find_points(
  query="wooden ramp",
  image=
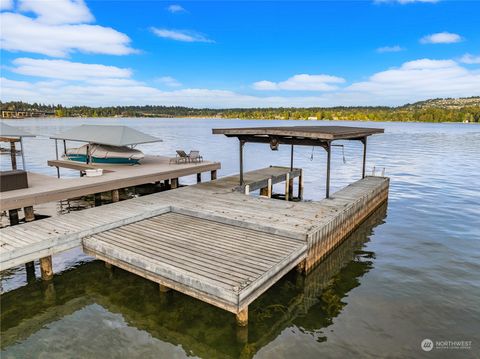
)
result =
(221, 264)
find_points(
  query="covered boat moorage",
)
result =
(111, 140)
(322, 136)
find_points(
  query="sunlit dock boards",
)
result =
(237, 245)
(222, 264)
(44, 189)
(31, 241)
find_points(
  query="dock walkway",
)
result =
(209, 240)
(44, 189)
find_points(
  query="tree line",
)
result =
(426, 112)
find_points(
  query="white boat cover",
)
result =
(106, 151)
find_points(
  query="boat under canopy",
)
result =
(105, 144)
(104, 154)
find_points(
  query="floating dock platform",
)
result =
(209, 240)
(213, 240)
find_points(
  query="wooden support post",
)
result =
(115, 195)
(199, 177)
(213, 175)
(290, 188)
(23, 154)
(46, 268)
(29, 214)
(364, 141)
(247, 189)
(269, 188)
(302, 266)
(98, 199)
(56, 156)
(287, 187)
(242, 317)
(329, 156)
(300, 185)
(163, 288)
(13, 216)
(30, 269)
(291, 159)
(167, 184)
(174, 183)
(13, 155)
(241, 161)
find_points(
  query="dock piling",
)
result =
(242, 317)
(213, 175)
(115, 195)
(174, 183)
(98, 199)
(13, 216)
(29, 214)
(287, 187)
(300, 185)
(13, 155)
(46, 268)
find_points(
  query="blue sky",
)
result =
(239, 54)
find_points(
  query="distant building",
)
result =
(25, 114)
(312, 118)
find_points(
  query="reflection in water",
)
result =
(96, 301)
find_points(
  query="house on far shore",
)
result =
(312, 118)
(25, 114)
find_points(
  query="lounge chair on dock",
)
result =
(194, 156)
(181, 157)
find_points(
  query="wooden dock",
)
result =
(209, 240)
(44, 189)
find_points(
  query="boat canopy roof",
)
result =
(10, 131)
(114, 135)
(299, 135)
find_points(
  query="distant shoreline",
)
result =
(225, 118)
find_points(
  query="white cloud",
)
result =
(181, 35)
(175, 8)
(420, 79)
(303, 82)
(412, 81)
(169, 81)
(470, 59)
(441, 38)
(21, 33)
(58, 12)
(66, 70)
(6, 4)
(395, 48)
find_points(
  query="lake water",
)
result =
(410, 272)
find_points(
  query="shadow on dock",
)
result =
(309, 303)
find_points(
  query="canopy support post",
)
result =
(291, 159)
(56, 156)
(329, 156)
(23, 156)
(64, 147)
(13, 155)
(364, 141)
(242, 143)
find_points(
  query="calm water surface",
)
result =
(410, 272)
